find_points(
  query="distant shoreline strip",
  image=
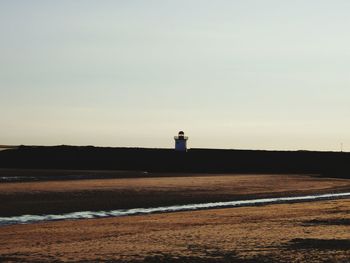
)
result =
(27, 219)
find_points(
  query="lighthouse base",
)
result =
(180, 145)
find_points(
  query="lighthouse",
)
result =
(181, 142)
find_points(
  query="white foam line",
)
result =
(25, 219)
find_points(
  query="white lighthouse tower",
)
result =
(181, 142)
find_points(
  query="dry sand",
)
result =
(307, 232)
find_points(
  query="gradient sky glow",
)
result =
(248, 74)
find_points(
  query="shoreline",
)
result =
(281, 232)
(30, 219)
(68, 196)
(303, 232)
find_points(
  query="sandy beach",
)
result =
(153, 190)
(301, 232)
(307, 232)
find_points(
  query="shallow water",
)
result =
(73, 176)
(17, 178)
(25, 219)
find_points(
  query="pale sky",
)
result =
(248, 74)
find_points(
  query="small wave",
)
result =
(25, 219)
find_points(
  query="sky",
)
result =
(250, 74)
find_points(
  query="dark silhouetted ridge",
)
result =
(167, 160)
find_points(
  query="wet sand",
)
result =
(306, 232)
(153, 190)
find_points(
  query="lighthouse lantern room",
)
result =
(181, 142)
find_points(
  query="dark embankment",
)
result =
(335, 164)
